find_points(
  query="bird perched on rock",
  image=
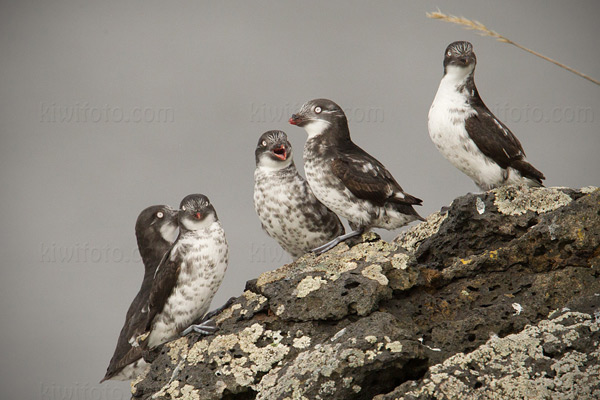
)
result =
(155, 230)
(468, 134)
(288, 210)
(188, 275)
(345, 178)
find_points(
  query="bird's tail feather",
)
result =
(406, 199)
(528, 171)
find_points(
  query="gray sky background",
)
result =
(109, 107)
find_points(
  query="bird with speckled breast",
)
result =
(286, 206)
(347, 179)
(188, 275)
(466, 132)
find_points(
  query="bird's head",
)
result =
(459, 58)
(196, 213)
(273, 151)
(317, 116)
(157, 220)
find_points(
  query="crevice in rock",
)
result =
(351, 284)
(247, 395)
(386, 379)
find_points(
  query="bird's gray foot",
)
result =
(330, 245)
(204, 328)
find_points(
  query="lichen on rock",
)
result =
(521, 365)
(309, 284)
(516, 200)
(412, 238)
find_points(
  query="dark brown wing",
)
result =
(163, 284)
(124, 353)
(152, 248)
(136, 318)
(162, 287)
(367, 179)
(497, 142)
(134, 354)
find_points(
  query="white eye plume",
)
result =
(449, 53)
(159, 214)
(318, 110)
(264, 143)
(182, 208)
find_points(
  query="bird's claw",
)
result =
(204, 328)
(326, 247)
(342, 238)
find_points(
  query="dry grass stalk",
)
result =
(485, 31)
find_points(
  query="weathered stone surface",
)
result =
(463, 304)
(341, 282)
(558, 358)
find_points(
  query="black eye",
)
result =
(159, 214)
(318, 110)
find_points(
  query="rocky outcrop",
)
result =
(558, 358)
(496, 297)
